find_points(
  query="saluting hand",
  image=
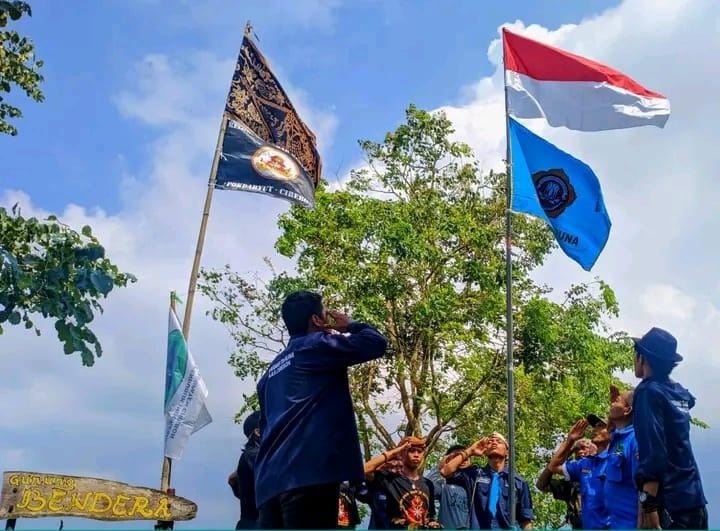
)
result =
(479, 447)
(578, 430)
(398, 449)
(341, 321)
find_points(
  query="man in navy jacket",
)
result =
(488, 488)
(671, 493)
(309, 439)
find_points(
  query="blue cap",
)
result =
(658, 344)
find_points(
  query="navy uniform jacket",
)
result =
(477, 484)
(662, 427)
(307, 424)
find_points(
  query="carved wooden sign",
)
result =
(34, 495)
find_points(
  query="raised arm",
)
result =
(379, 460)
(555, 466)
(451, 465)
(362, 343)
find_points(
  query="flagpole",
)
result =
(203, 228)
(204, 221)
(508, 305)
(167, 461)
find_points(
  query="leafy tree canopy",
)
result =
(414, 244)
(18, 66)
(48, 269)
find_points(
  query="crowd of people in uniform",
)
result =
(302, 467)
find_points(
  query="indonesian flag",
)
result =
(574, 92)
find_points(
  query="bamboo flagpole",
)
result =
(167, 462)
(509, 309)
(166, 472)
(203, 229)
(192, 285)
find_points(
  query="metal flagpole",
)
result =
(509, 306)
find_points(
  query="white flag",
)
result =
(185, 393)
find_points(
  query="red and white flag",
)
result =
(574, 92)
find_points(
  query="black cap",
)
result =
(251, 423)
(594, 420)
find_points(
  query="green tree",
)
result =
(48, 269)
(414, 243)
(18, 65)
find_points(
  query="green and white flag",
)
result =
(185, 393)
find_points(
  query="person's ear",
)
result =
(317, 321)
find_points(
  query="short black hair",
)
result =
(454, 448)
(660, 367)
(298, 308)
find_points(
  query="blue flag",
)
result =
(552, 185)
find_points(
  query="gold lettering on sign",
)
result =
(107, 503)
(141, 507)
(76, 505)
(28, 494)
(24, 501)
(32, 500)
(163, 510)
(120, 502)
(57, 496)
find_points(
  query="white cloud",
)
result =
(662, 300)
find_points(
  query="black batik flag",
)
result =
(266, 147)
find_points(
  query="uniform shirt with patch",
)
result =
(409, 502)
(477, 483)
(662, 427)
(588, 472)
(620, 493)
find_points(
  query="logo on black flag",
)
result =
(267, 148)
(554, 191)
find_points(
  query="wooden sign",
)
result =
(34, 495)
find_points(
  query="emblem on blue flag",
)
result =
(554, 190)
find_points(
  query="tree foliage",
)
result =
(18, 65)
(47, 268)
(414, 243)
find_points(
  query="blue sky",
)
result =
(134, 92)
(364, 62)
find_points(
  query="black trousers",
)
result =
(686, 519)
(313, 507)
